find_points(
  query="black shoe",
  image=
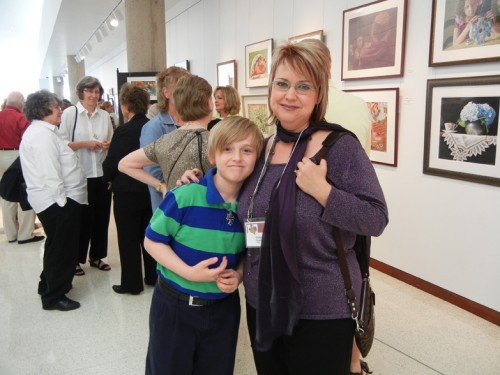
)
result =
(64, 304)
(12, 241)
(34, 239)
(119, 289)
(153, 283)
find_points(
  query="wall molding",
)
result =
(475, 308)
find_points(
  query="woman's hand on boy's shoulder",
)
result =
(191, 175)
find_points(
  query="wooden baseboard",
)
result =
(475, 308)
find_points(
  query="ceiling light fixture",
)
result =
(109, 24)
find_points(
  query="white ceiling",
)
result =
(40, 34)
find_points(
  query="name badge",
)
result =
(254, 229)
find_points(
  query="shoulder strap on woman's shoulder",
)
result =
(329, 141)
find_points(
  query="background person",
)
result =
(131, 203)
(18, 224)
(166, 121)
(184, 148)
(227, 103)
(88, 130)
(56, 186)
(108, 107)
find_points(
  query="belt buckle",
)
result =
(191, 302)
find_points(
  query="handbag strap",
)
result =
(349, 292)
(74, 125)
(329, 141)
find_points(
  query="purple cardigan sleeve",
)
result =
(356, 202)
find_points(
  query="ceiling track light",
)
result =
(108, 25)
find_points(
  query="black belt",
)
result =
(8, 149)
(183, 297)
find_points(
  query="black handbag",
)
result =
(365, 316)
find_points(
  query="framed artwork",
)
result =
(258, 63)
(373, 40)
(461, 129)
(146, 83)
(183, 64)
(314, 35)
(147, 80)
(453, 42)
(256, 109)
(383, 105)
(226, 74)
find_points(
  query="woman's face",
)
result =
(293, 109)
(91, 97)
(55, 117)
(219, 101)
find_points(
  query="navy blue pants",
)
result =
(191, 340)
(319, 347)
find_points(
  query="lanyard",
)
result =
(267, 162)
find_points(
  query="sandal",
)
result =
(364, 369)
(99, 264)
(79, 271)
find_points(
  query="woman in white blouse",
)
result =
(88, 131)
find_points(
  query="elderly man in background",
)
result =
(18, 224)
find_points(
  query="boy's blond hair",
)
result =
(233, 129)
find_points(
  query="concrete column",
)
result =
(145, 30)
(58, 84)
(75, 72)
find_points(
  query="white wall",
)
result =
(444, 231)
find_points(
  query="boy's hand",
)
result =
(191, 175)
(229, 280)
(202, 272)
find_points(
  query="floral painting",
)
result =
(461, 129)
(146, 83)
(255, 108)
(378, 111)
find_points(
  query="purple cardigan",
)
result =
(356, 205)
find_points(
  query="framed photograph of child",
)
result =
(373, 40)
(461, 129)
(383, 105)
(464, 32)
(258, 63)
(226, 74)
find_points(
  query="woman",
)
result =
(108, 107)
(132, 208)
(164, 122)
(314, 328)
(184, 148)
(57, 191)
(88, 130)
(227, 103)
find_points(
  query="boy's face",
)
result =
(236, 162)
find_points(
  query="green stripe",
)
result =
(211, 240)
(196, 196)
(164, 225)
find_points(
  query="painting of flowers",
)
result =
(461, 129)
(476, 119)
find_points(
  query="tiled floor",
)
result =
(416, 333)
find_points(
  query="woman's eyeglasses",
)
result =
(300, 88)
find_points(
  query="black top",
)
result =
(124, 141)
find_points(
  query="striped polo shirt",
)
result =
(196, 223)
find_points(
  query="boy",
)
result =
(197, 240)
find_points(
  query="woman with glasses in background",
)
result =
(88, 131)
